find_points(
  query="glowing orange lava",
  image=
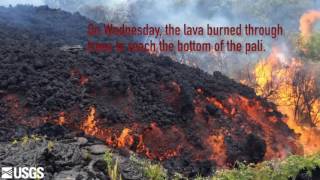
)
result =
(89, 125)
(125, 138)
(61, 119)
(219, 150)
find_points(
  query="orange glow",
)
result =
(125, 138)
(244, 114)
(61, 119)
(276, 79)
(152, 141)
(218, 104)
(89, 125)
(255, 113)
(218, 149)
(83, 80)
(160, 144)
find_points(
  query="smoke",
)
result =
(175, 12)
(193, 13)
(16, 2)
(198, 13)
(307, 22)
(178, 12)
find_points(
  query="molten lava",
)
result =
(125, 138)
(61, 119)
(218, 149)
(139, 137)
(89, 125)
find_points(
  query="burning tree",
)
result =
(288, 84)
(306, 97)
(292, 83)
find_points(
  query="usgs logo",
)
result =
(22, 172)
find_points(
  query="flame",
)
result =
(61, 119)
(242, 114)
(307, 22)
(256, 113)
(89, 126)
(275, 71)
(125, 138)
(139, 137)
(276, 79)
(166, 145)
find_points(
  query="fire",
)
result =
(125, 138)
(61, 119)
(307, 22)
(285, 82)
(139, 137)
(236, 105)
(243, 115)
(89, 125)
(166, 145)
(220, 105)
(275, 71)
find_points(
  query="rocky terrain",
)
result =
(72, 157)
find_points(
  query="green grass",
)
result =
(27, 139)
(154, 172)
(112, 166)
(267, 170)
(50, 146)
(272, 170)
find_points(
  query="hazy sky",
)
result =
(15, 2)
(41, 2)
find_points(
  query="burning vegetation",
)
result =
(293, 85)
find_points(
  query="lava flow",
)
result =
(212, 134)
(139, 138)
(147, 104)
